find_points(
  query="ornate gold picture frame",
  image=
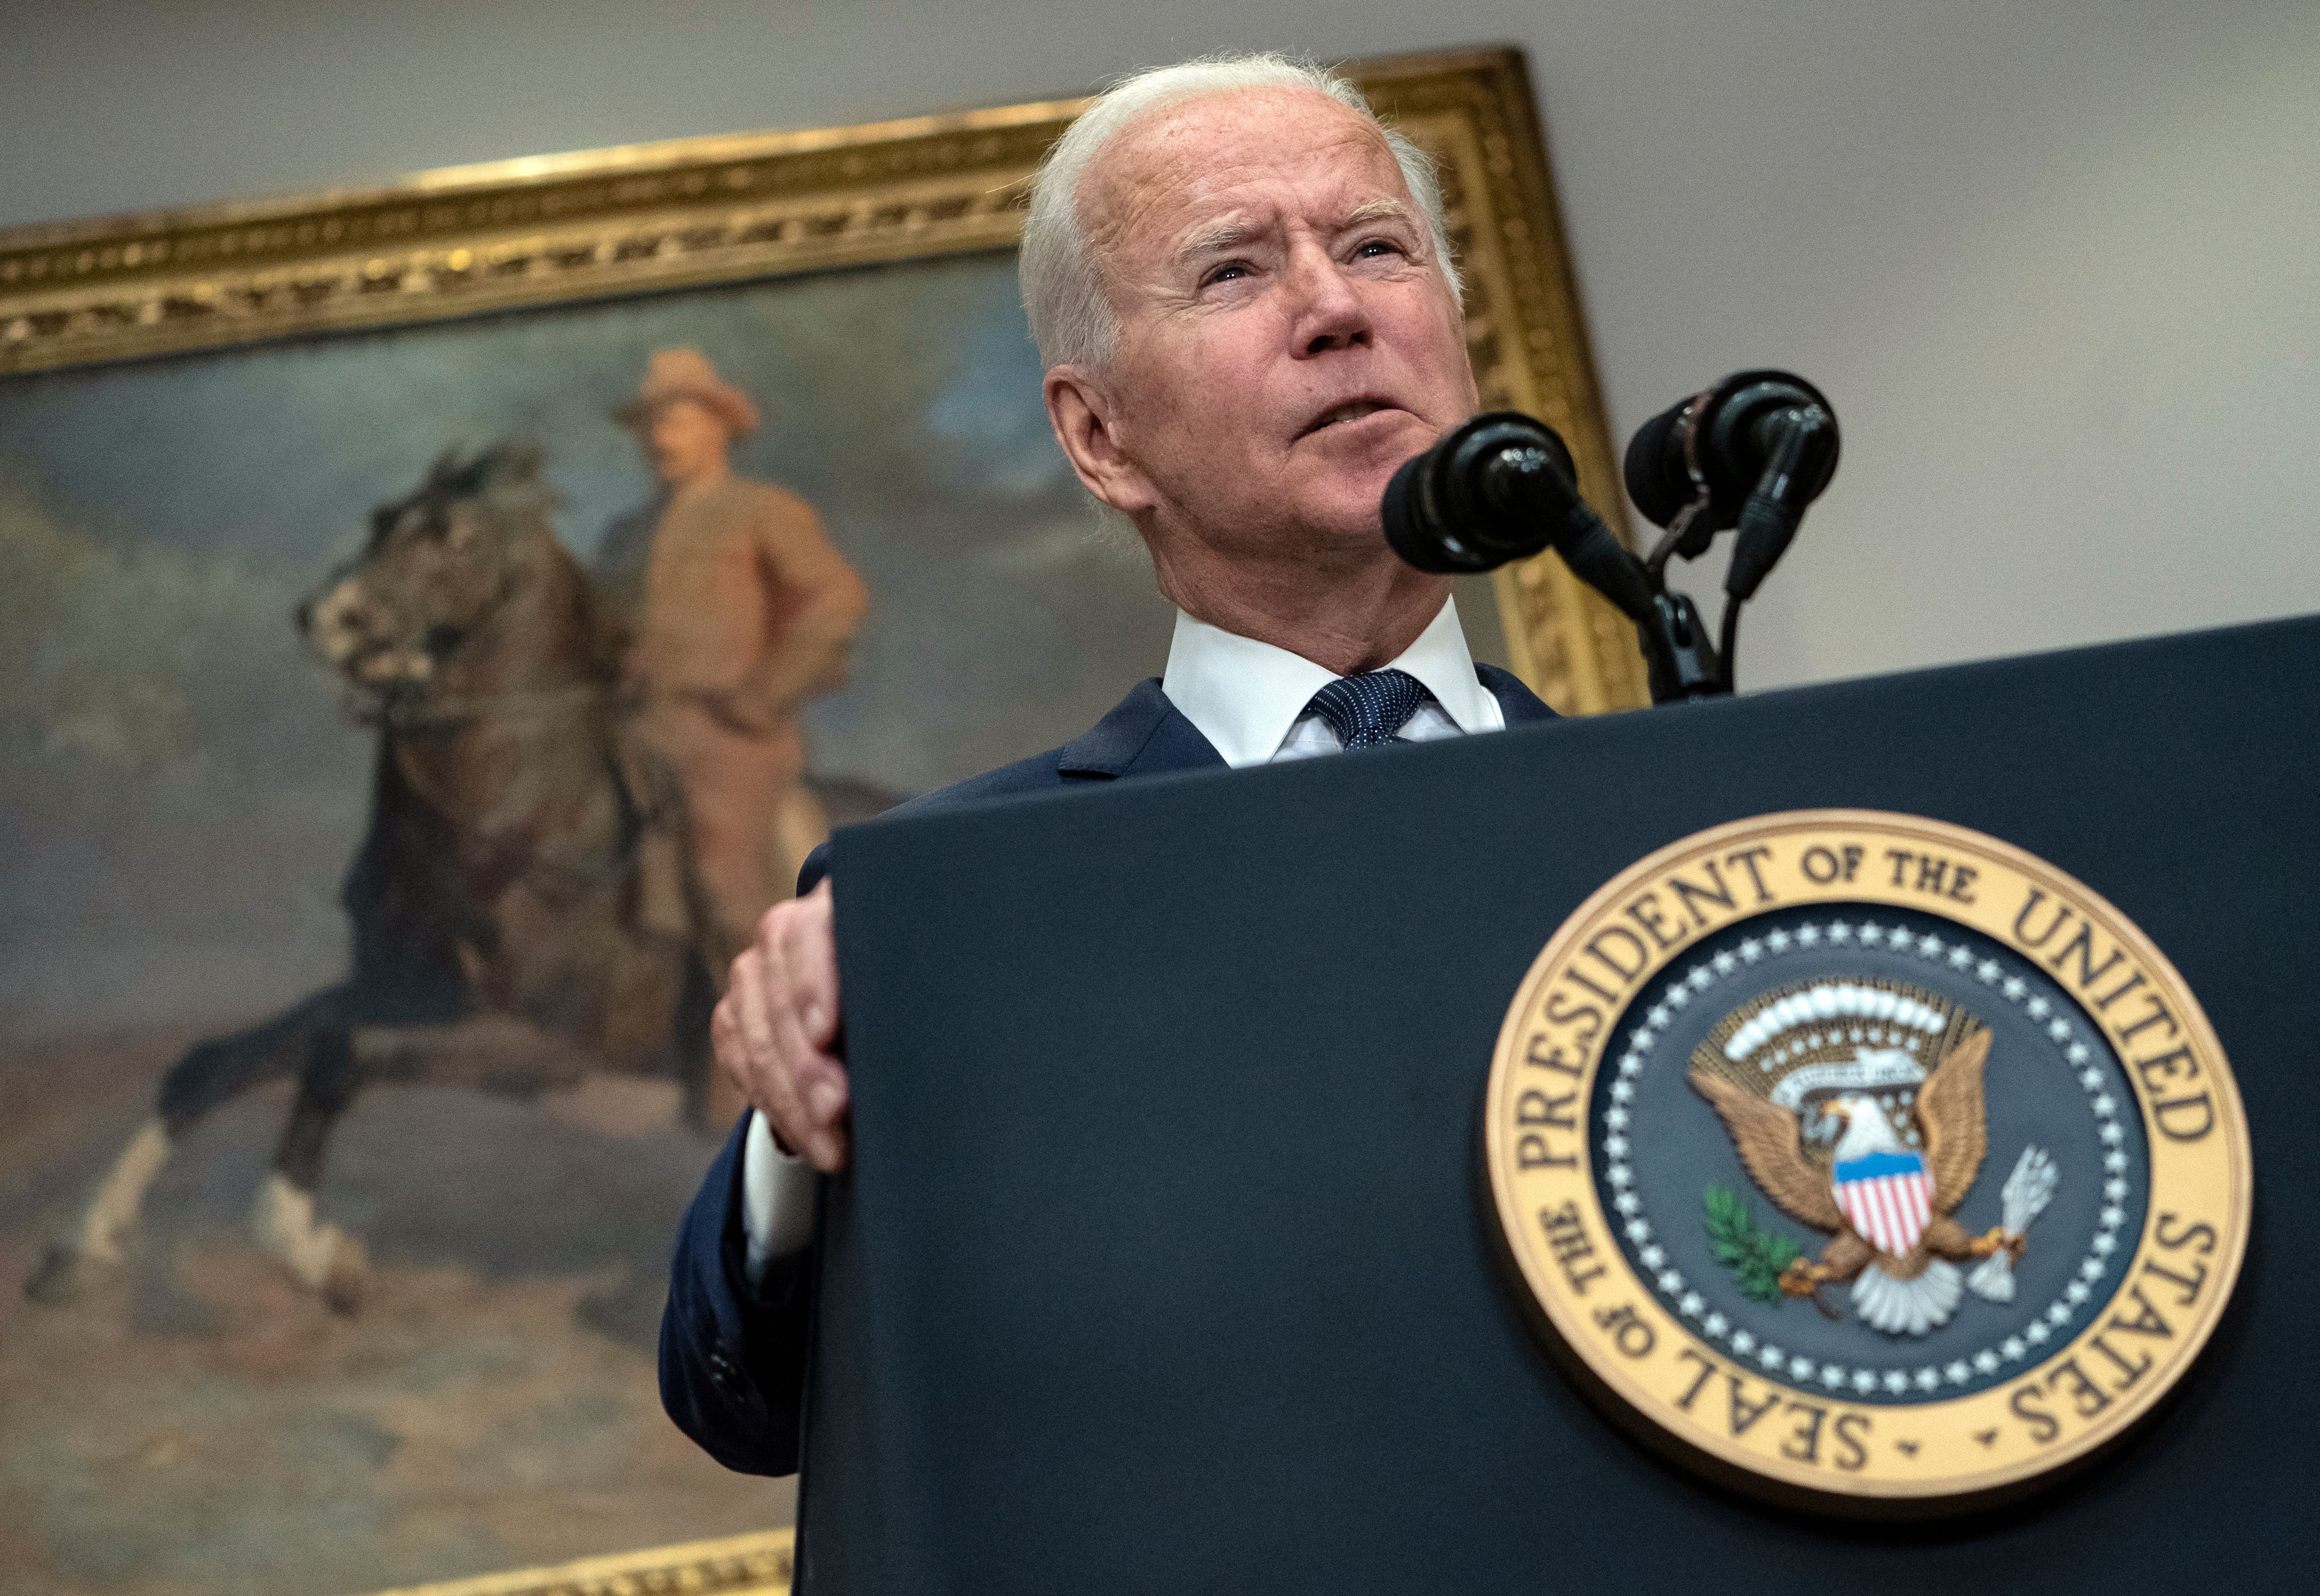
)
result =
(758, 1564)
(153, 653)
(552, 228)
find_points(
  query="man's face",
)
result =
(1287, 337)
(682, 439)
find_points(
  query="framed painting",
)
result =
(331, 533)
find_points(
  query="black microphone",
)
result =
(1752, 452)
(1501, 487)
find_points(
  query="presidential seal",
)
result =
(1866, 1161)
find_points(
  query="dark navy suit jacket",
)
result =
(732, 1357)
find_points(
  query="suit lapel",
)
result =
(1144, 735)
(1517, 702)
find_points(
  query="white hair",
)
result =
(1071, 316)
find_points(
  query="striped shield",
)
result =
(1888, 1197)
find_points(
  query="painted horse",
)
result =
(508, 933)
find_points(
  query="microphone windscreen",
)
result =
(1656, 479)
(1413, 533)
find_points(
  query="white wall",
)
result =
(2059, 265)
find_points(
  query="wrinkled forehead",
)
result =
(1189, 164)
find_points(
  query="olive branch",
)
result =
(1755, 1256)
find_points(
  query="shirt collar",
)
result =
(1244, 695)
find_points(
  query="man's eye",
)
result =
(1226, 272)
(1370, 249)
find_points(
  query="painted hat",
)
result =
(687, 374)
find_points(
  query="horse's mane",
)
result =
(504, 477)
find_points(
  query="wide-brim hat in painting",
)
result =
(687, 374)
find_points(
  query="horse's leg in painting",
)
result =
(493, 1052)
(211, 1074)
(321, 1256)
(94, 1240)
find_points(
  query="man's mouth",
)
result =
(1352, 409)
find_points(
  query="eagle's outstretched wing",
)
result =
(1950, 1113)
(1766, 1135)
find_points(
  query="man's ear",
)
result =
(1081, 410)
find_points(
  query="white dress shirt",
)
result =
(1250, 700)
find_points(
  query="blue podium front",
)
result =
(1170, 1258)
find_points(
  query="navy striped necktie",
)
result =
(1369, 710)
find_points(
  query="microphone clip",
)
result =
(1680, 662)
(1689, 532)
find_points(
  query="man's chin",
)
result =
(1343, 519)
(1350, 496)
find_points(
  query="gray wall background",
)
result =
(2059, 265)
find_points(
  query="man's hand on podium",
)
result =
(776, 1030)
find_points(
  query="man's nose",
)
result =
(1329, 310)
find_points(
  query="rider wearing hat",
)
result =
(740, 610)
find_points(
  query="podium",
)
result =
(1167, 1261)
